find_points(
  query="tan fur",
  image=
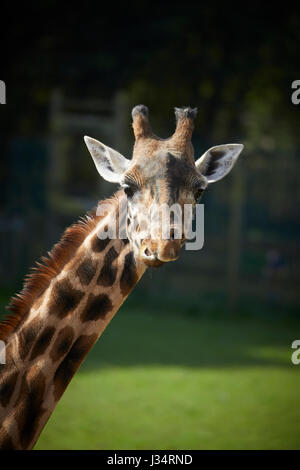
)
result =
(148, 144)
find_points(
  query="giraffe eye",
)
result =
(129, 190)
(198, 193)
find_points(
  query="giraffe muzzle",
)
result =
(155, 253)
(149, 257)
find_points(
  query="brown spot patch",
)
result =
(71, 362)
(7, 388)
(108, 273)
(6, 442)
(98, 244)
(42, 342)
(65, 299)
(129, 275)
(97, 307)
(30, 410)
(27, 336)
(62, 343)
(86, 271)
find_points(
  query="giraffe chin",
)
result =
(153, 263)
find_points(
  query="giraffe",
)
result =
(71, 296)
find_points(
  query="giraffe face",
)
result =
(158, 189)
(160, 180)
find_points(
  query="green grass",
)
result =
(167, 381)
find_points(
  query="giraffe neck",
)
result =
(63, 323)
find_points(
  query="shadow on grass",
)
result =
(158, 330)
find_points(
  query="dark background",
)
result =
(200, 354)
(76, 71)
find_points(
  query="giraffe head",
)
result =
(162, 173)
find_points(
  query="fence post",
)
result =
(121, 113)
(237, 197)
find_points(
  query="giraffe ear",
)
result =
(110, 164)
(217, 162)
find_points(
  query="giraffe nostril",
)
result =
(148, 253)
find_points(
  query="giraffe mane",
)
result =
(37, 281)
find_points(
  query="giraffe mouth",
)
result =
(151, 258)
